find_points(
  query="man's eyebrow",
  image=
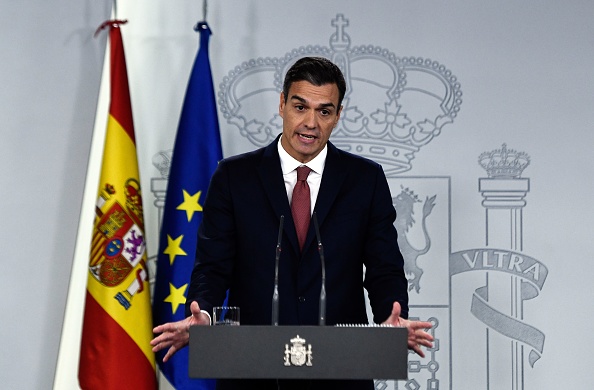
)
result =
(322, 105)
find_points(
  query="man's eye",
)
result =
(299, 108)
(325, 112)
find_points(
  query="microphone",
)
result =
(322, 316)
(276, 261)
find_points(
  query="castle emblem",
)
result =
(297, 354)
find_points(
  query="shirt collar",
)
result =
(288, 163)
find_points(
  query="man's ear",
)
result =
(281, 104)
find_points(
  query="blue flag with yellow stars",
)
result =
(196, 154)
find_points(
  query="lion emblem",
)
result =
(404, 204)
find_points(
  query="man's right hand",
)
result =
(176, 335)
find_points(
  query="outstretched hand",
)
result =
(176, 335)
(416, 335)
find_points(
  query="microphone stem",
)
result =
(275, 298)
(323, 304)
(322, 315)
(275, 306)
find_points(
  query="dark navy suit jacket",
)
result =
(238, 235)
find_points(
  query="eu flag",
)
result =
(196, 154)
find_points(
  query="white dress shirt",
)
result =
(289, 168)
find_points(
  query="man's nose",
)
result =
(311, 120)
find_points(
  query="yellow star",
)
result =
(174, 248)
(176, 296)
(190, 204)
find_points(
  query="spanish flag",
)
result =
(115, 351)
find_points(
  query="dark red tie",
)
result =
(301, 204)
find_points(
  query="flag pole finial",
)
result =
(202, 24)
(114, 23)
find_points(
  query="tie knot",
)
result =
(302, 173)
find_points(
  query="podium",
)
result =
(298, 352)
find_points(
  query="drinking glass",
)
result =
(225, 315)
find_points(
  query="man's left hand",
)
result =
(416, 335)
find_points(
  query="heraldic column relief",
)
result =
(504, 192)
(506, 277)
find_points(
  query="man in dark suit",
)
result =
(351, 200)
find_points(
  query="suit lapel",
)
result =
(332, 179)
(271, 177)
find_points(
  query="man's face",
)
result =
(309, 116)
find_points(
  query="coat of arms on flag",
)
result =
(118, 241)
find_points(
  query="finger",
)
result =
(167, 330)
(159, 328)
(427, 336)
(169, 353)
(426, 342)
(396, 309)
(157, 348)
(421, 325)
(422, 335)
(168, 327)
(394, 318)
(422, 338)
(158, 340)
(195, 309)
(415, 346)
(162, 345)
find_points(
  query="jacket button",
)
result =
(301, 299)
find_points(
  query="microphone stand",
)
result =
(322, 316)
(276, 265)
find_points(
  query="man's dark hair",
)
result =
(317, 71)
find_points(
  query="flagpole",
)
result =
(69, 352)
